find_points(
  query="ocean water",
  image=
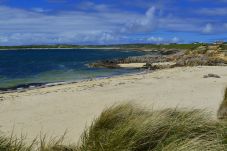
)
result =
(19, 67)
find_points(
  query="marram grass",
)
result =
(222, 111)
(128, 127)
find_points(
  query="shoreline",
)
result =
(58, 48)
(33, 86)
(107, 48)
(72, 107)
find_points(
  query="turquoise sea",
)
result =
(21, 68)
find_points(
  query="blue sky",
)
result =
(24, 22)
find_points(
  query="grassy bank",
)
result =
(162, 46)
(122, 46)
(130, 128)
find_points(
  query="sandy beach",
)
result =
(71, 107)
(132, 65)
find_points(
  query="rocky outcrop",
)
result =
(104, 64)
(203, 55)
(160, 65)
(138, 59)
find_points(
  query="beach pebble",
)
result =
(211, 75)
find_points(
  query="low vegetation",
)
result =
(128, 127)
(122, 46)
(180, 54)
(162, 46)
(222, 112)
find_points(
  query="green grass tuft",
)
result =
(128, 127)
(222, 111)
(13, 144)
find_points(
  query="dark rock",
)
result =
(136, 59)
(169, 52)
(22, 87)
(104, 64)
(211, 75)
(159, 65)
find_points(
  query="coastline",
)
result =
(33, 86)
(72, 107)
(101, 48)
(56, 48)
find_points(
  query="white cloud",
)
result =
(25, 27)
(144, 23)
(155, 39)
(175, 40)
(3, 39)
(213, 11)
(225, 25)
(208, 28)
(103, 24)
(92, 6)
(40, 10)
(159, 40)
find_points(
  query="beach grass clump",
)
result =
(43, 144)
(222, 111)
(130, 128)
(13, 144)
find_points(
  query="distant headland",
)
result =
(136, 46)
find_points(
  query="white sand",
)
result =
(132, 65)
(164, 64)
(53, 110)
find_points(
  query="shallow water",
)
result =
(19, 67)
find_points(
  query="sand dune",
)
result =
(71, 107)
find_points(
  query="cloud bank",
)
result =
(92, 23)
